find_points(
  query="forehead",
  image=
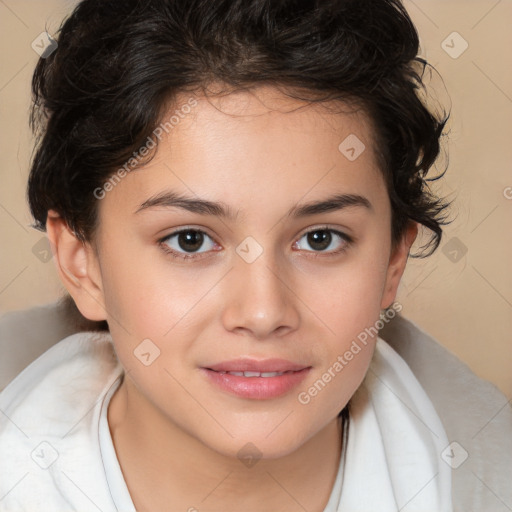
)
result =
(247, 147)
(265, 116)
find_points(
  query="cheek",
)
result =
(346, 302)
(348, 298)
(335, 383)
(144, 292)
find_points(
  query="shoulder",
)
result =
(49, 450)
(476, 416)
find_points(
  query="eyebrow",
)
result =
(204, 207)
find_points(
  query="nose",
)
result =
(260, 300)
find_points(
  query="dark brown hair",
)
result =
(120, 64)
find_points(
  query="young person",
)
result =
(231, 190)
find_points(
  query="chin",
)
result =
(259, 445)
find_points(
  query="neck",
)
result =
(165, 468)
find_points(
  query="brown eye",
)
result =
(323, 240)
(189, 241)
(319, 240)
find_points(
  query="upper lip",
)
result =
(253, 365)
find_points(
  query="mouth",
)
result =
(256, 366)
(265, 375)
(255, 380)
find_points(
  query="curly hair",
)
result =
(119, 65)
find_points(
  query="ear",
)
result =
(78, 267)
(396, 265)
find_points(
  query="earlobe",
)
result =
(77, 266)
(397, 263)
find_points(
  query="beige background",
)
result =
(464, 299)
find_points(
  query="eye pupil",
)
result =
(190, 240)
(320, 240)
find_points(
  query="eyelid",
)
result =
(325, 227)
(184, 255)
(347, 239)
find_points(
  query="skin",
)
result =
(176, 435)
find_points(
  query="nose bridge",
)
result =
(258, 298)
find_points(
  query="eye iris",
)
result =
(190, 240)
(319, 240)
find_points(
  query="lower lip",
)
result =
(257, 388)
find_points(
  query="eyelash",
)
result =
(315, 254)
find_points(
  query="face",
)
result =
(214, 256)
